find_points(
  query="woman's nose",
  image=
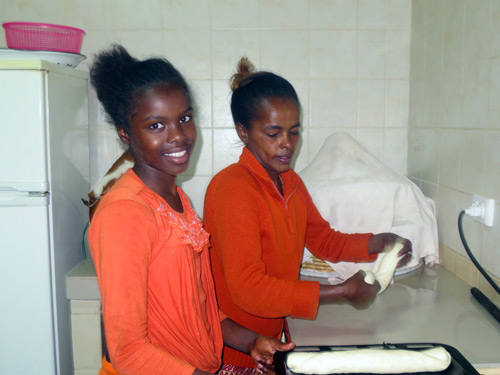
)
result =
(285, 141)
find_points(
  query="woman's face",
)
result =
(162, 133)
(273, 135)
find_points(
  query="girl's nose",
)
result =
(175, 134)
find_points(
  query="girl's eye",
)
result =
(185, 119)
(156, 126)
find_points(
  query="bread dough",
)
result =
(377, 361)
(386, 268)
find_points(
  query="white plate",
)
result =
(61, 58)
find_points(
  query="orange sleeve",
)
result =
(121, 237)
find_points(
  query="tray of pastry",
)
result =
(414, 358)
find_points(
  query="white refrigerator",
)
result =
(44, 174)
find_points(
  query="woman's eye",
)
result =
(185, 119)
(156, 126)
(272, 135)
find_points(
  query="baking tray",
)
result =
(458, 366)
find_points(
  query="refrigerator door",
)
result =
(22, 127)
(25, 292)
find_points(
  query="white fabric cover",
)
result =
(357, 193)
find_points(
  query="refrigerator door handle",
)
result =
(36, 198)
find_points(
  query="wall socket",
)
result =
(482, 210)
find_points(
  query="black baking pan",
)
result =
(458, 366)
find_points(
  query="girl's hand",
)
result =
(262, 352)
(382, 241)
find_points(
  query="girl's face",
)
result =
(162, 133)
(273, 135)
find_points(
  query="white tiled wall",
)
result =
(348, 59)
(454, 134)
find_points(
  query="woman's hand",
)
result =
(262, 352)
(354, 291)
(383, 241)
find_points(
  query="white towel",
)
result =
(357, 193)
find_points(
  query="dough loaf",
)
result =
(386, 268)
(377, 361)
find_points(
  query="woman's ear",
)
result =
(242, 133)
(123, 135)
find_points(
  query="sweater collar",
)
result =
(290, 179)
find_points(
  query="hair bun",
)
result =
(244, 70)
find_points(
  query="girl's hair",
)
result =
(118, 78)
(250, 88)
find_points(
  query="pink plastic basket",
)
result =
(43, 37)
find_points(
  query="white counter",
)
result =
(430, 305)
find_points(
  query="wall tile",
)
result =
(94, 14)
(494, 94)
(95, 41)
(301, 87)
(451, 98)
(279, 46)
(133, 41)
(495, 28)
(447, 214)
(396, 103)
(395, 150)
(418, 12)
(398, 55)
(333, 14)
(51, 11)
(200, 163)
(284, 14)
(201, 92)
(492, 166)
(398, 14)
(333, 54)
(449, 167)
(472, 153)
(230, 14)
(371, 103)
(430, 154)
(453, 36)
(301, 157)
(415, 150)
(227, 148)
(229, 47)
(221, 100)
(371, 54)
(417, 52)
(372, 14)
(472, 230)
(333, 103)
(490, 247)
(475, 95)
(175, 16)
(127, 16)
(433, 47)
(477, 37)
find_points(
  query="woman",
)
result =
(260, 216)
(149, 248)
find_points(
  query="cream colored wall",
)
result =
(454, 133)
(348, 59)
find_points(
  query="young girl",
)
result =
(150, 250)
(260, 215)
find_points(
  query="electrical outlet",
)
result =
(485, 209)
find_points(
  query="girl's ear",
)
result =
(242, 133)
(123, 135)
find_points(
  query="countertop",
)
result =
(429, 305)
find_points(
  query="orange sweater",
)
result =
(257, 239)
(153, 267)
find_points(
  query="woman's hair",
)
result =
(118, 78)
(250, 88)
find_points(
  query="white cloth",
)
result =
(357, 193)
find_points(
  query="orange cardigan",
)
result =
(257, 239)
(153, 268)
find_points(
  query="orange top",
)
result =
(258, 238)
(158, 300)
